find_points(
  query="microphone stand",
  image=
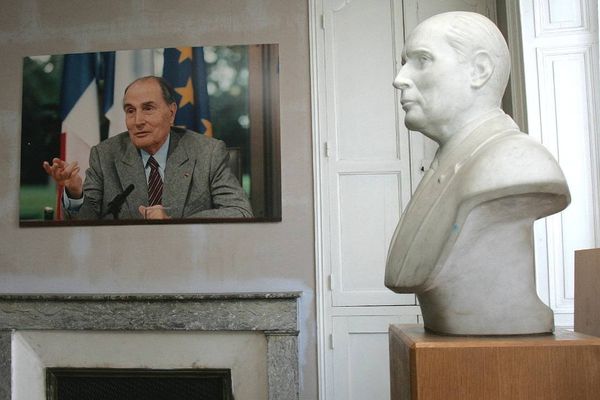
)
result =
(114, 207)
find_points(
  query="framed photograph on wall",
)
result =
(218, 106)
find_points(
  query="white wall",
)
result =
(177, 258)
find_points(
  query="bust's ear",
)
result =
(482, 69)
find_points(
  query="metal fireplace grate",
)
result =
(138, 384)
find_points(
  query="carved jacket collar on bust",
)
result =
(429, 217)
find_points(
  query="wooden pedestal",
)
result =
(425, 366)
(587, 289)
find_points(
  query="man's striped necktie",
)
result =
(155, 183)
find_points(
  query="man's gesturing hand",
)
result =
(67, 175)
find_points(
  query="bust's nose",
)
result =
(402, 82)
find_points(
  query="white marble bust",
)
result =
(464, 244)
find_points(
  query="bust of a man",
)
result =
(464, 244)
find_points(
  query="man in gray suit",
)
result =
(175, 173)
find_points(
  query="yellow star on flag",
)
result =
(208, 125)
(187, 93)
(184, 54)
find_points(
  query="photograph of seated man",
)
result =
(154, 170)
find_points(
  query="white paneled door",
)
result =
(360, 356)
(365, 163)
(560, 54)
(366, 166)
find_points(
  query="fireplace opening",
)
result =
(138, 384)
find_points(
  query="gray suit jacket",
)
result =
(197, 183)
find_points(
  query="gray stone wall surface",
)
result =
(281, 360)
(5, 365)
(247, 311)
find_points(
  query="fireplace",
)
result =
(138, 384)
(154, 334)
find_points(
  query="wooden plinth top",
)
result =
(415, 336)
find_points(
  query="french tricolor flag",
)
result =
(78, 112)
(79, 108)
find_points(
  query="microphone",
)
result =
(114, 207)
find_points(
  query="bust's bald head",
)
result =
(455, 69)
(468, 33)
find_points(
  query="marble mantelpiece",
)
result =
(273, 314)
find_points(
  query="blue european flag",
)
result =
(185, 69)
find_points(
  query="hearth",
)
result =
(138, 384)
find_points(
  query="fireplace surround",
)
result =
(275, 315)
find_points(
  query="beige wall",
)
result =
(178, 258)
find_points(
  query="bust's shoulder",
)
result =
(514, 161)
(513, 146)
